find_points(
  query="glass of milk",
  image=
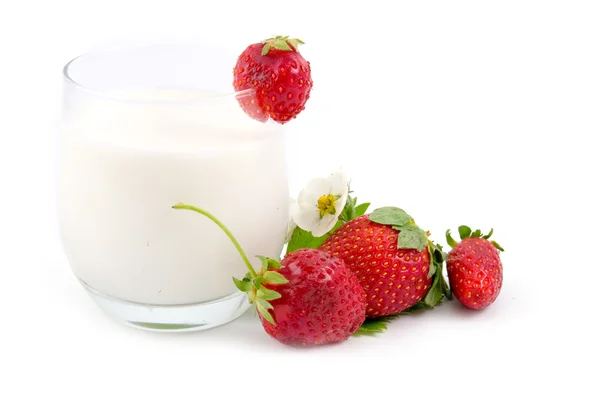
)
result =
(145, 128)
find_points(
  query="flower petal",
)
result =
(324, 225)
(307, 217)
(339, 183)
(313, 190)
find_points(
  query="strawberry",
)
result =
(310, 298)
(396, 264)
(322, 302)
(474, 268)
(275, 78)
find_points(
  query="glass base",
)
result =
(172, 318)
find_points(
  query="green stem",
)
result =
(181, 206)
(450, 239)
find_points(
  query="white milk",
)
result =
(123, 165)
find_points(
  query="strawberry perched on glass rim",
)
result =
(275, 79)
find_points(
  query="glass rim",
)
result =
(201, 97)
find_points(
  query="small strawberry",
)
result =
(393, 259)
(474, 268)
(277, 78)
(310, 298)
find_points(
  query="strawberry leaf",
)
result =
(434, 294)
(242, 285)
(264, 264)
(361, 209)
(373, 326)
(464, 231)
(445, 287)
(352, 211)
(349, 211)
(266, 305)
(489, 234)
(282, 45)
(267, 294)
(294, 43)
(411, 237)
(496, 245)
(274, 278)
(390, 216)
(262, 309)
(265, 49)
(258, 281)
(419, 306)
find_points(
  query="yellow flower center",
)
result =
(326, 204)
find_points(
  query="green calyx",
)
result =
(352, 209)
(439, 288)
(373, 326)
(466, 232)
(281, 43)
(253, 281)
(258, 294)
(410, 236)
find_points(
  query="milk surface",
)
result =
(125, 163)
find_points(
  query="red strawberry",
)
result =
(309, 298)
(474, 268)
(393, 259)
(322, 302)
(278, 76)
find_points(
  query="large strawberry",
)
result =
(396, 264)
(474, 268)
(310, 298)
(275, 79)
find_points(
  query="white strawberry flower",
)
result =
(321, 202)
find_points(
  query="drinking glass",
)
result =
(145, 128)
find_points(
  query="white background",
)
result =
(462, 112)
